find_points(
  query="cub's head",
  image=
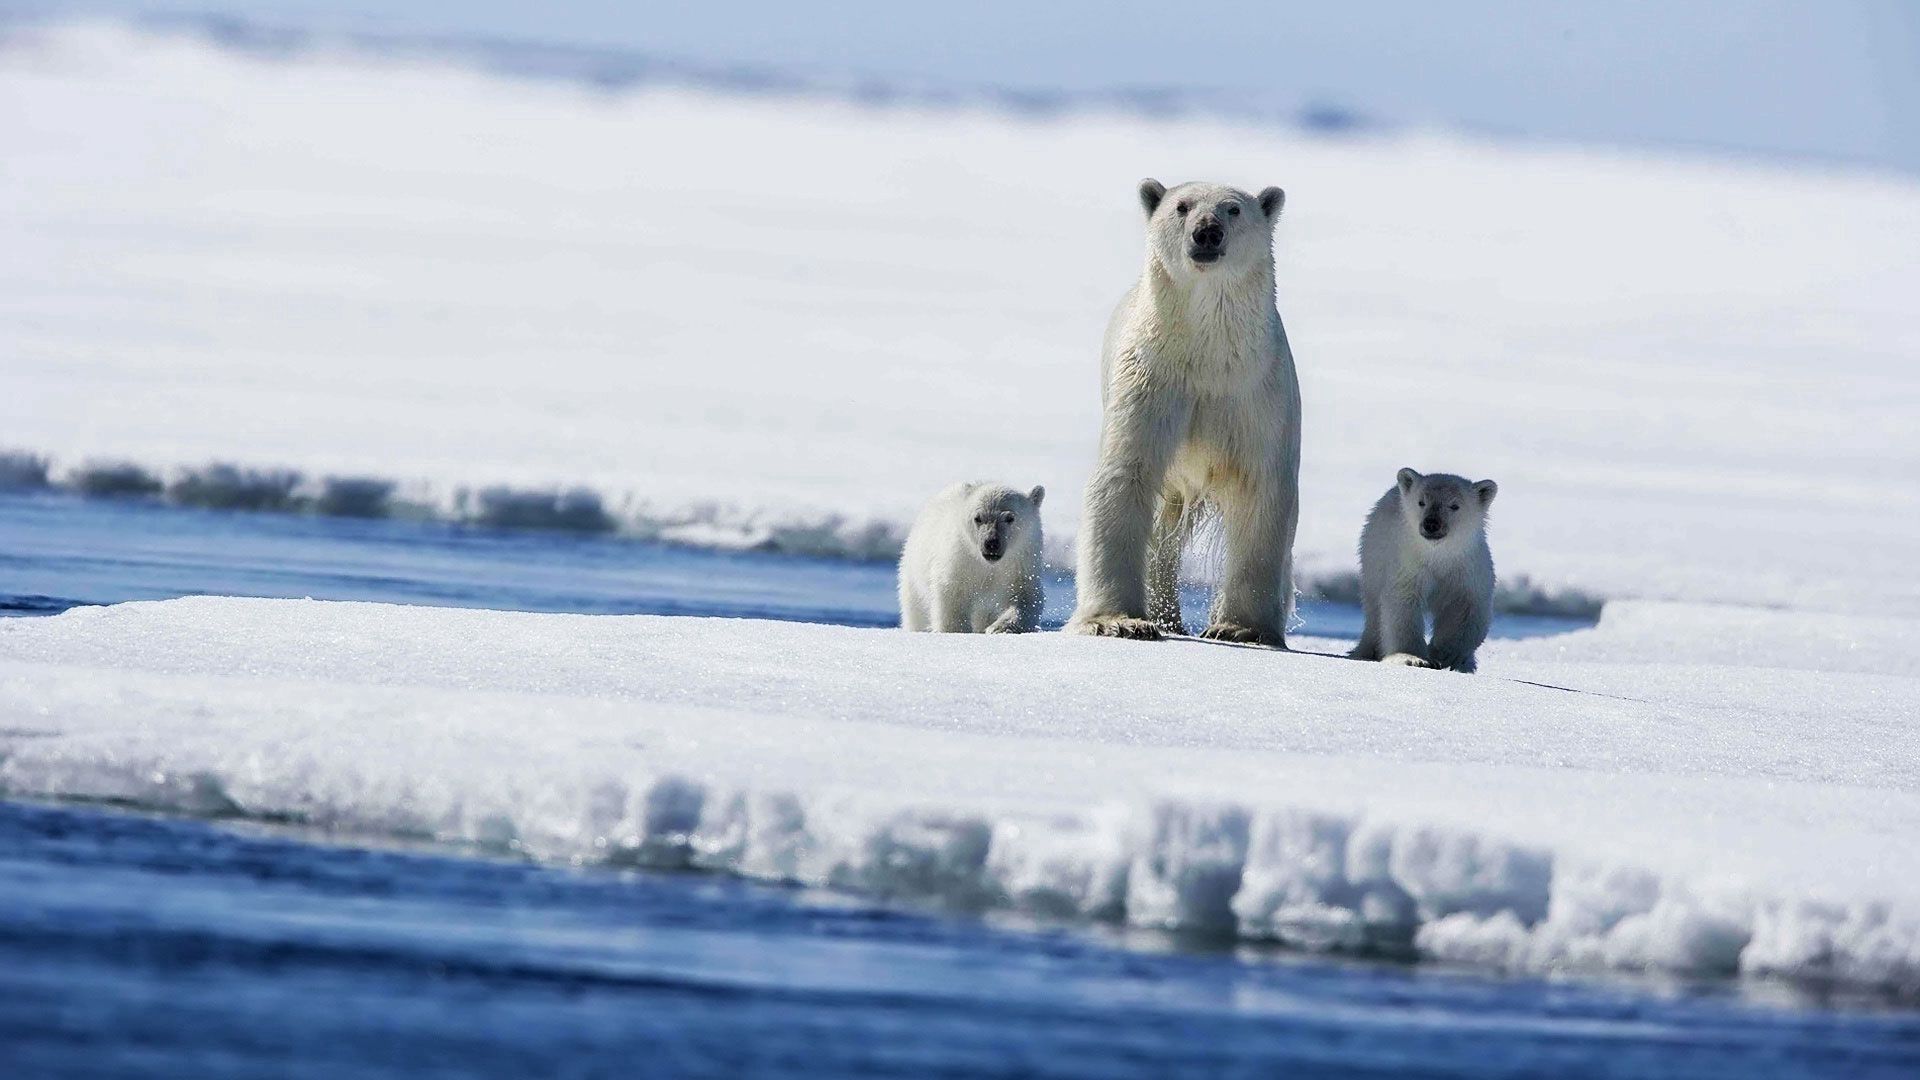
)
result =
(1004, 521)
(1443, 505)
(1199, 229)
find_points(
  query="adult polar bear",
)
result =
(1201, 414)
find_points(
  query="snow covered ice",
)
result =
(1692, 378)
(328, 279)
(1699, 790)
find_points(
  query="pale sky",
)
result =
(1822, 78)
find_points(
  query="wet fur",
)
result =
(946, 585)
(1201, 416)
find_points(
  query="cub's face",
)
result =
(1005, 520)
(1443, 505)
(1198, 230)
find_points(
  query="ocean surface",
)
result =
(135, 945)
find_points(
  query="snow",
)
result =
(1685, 788)
(334, 282)
(787, 322)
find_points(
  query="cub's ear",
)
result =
(1151, 192)
(1486, 489)
(1407, 478)
(1039, 493)
(1271, 200)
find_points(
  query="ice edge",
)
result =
(582, 509)
(1292, 876)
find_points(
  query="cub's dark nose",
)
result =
(990, 550)
(1433, 528)
(1209, 236)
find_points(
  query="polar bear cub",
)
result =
(1424, 551)
(971, 565)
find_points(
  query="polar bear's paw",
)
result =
(1120, 626)
(1405, 659)
(1243, 635)
(1008, 623)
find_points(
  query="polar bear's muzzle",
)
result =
(993, 547)
(1208, 241)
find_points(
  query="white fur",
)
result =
(948, 585)
(1202, 415)
(1404, 576)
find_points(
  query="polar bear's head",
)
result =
(1004, 521)
(1443, 505)
(1210, 229)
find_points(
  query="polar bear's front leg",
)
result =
(1403, 627)
(1164, 551)
(1022, 615)
(1460, 623)
(1261, 514)
(948, 616)
(913, 609)
(1136, 447)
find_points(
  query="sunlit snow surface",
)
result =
(1700, 790)
(752, 319)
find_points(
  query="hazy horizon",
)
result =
(1837, 81)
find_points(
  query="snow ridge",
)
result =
(571, 508)
(1291, 876)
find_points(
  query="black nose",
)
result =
(1209, 234)
(991, 549)
(1433, 527)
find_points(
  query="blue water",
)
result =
(57, 551)
(133, 945)
(136, 946)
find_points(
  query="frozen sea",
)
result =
(140, 945)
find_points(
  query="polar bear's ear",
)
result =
(1407, 479)
(1271, 200)
(1039, 493)
(1486, 489)
(1151, 192)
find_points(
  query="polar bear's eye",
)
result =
(1455, 506)
(1423, 502)
(1182, 208)
(1233, 211)
(979, 519)
(1006, 516)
